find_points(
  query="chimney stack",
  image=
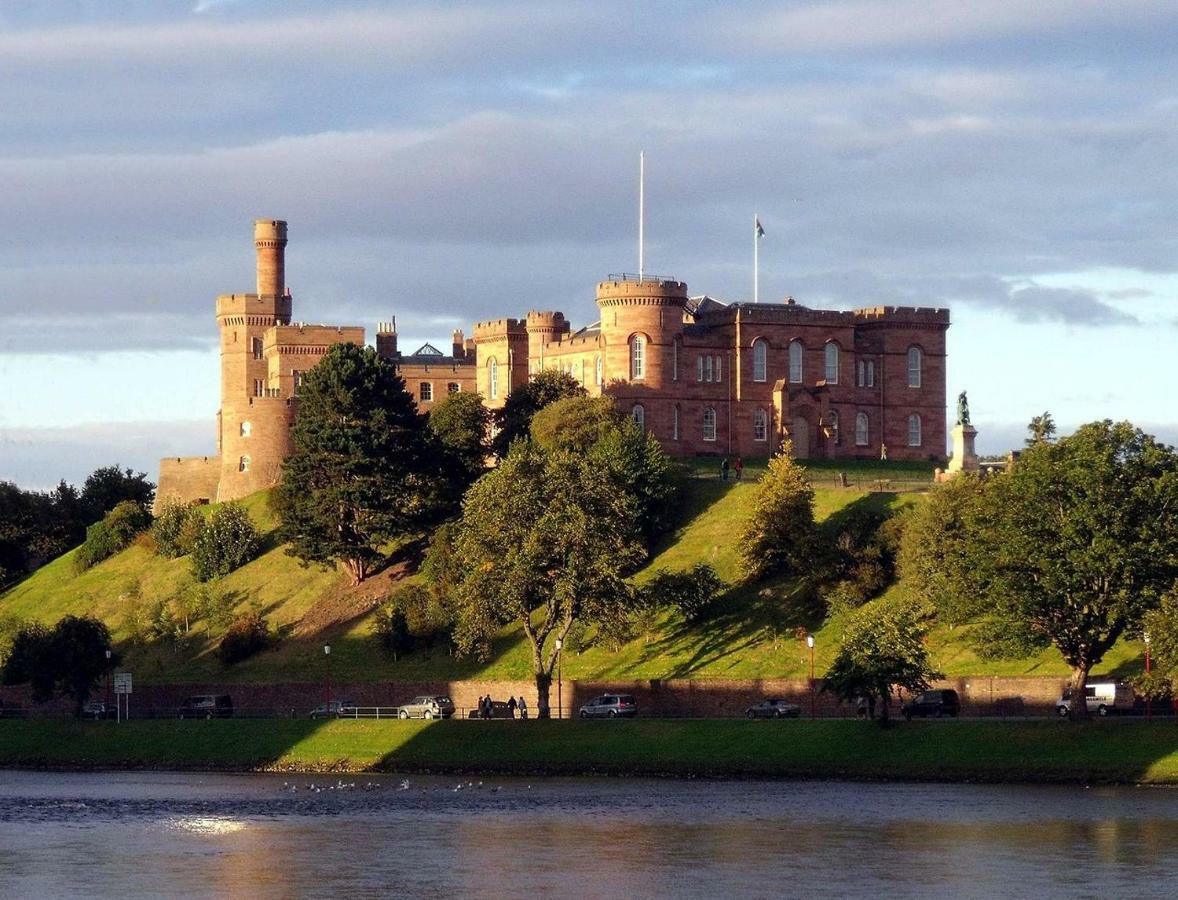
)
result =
(458, 344)
(386, 339)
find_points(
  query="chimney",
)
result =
(386, 339)
(458, 344)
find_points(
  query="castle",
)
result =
(704, 377)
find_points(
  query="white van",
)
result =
(1103, 697)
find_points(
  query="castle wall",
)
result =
(442, 380)
(187, 479)
(255, 436)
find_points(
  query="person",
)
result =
(738, 467)
(485, 707)
(523, 707)
(883, 452)
(511, 706)
(724, 469)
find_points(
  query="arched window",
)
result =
(719, 368)
(914, 360)
(243, 464)
(832, 363)
(709, 424)
(675, 423)
(795, 362)
(246, 428)
(699, 368)
(833, 419)
(637, 357)
(597, 370)
(639, 414)
(675, 360)
(493, 378)
(760, 425)
(862, 430)
(914, 430)
(760, 359)
(709, 368)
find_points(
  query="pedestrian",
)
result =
(511, 706)
(488, 706)
(738, 467)
(523, 707)
(883, 452)
(724, 469)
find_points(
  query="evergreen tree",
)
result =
(780, 532)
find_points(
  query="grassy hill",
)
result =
(754, 636)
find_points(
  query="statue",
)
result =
(962, 409)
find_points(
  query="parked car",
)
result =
(96, 709)
(335, 710)
(206, 706)
(610, 706)
(936, 704)
(1103, 698)
(433, 707)
(774, 708)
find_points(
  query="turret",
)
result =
(458, 344)
(270, 243)
(544, 328)
(644, 309)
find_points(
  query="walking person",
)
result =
(738, 467)
(724, 469)
(523, 707)
(511, 706)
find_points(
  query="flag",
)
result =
(760, 230)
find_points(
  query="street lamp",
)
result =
(327, 656)
(559, 681)
(106, 709)
(1149, 692)
(810, 644)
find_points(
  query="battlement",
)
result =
(304, 338)
(242, 306)
(547, 320)
(915, 315)
(493, 329)
(647, 290)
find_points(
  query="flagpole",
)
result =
(756, 261)
(641, 214)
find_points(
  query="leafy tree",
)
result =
(360, 474)
(392, 628)
(36, 527)
(227, 542)
(779, 534)
(176, 528)
(694, 592)
(514, 418)
(69, 659)
(576, 423)
(545, 541)
(247, 636)
(114, 533)
(882, 648)
(1041, 429)
(109, 486)
(1074, 545)
(460, 425)
(1162, 625)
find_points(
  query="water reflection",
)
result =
(261, 836)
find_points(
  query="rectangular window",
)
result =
(453, 387)
(709, 369)
(699, 368)
(257, 348)
(719, 369)
(709, 424)
(675, 424)
(258, 387)
(674, 360)
(871, 373)
(298, 380)
(427, 391)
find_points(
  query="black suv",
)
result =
(206, 706)
(933, 703)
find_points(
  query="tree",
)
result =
(1041, 429)
(514, 418)
(69, 659)
(546, 541)
(109, 486)
(780, 532)
(459, 426)
(1074, 545)
(1162, 626)
(882, 648)
(247, 636)
(360, 472)
(576, 423)
(227, 542)
(176, 528)
(693, 592)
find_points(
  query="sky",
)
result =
(446, 163)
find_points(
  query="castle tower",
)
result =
(270, 245)
(647, 311)
(543, 328)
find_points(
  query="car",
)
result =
(96, 709)
(1103, 698)
(774, 708)
(934, 704)
(435, 706)
(206, 706)
(334, 710)
(610, 706)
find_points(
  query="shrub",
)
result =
(247, 636)
(114, 533)
(693, 593)
(779, 535)
(392, 628)
(227, 541)
(176, 529)
(412, 616)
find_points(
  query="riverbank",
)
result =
(959, 751)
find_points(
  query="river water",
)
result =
(195, 835)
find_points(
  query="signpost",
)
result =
(122, 684)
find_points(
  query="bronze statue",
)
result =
(962, 409)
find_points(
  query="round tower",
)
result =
(646, 311)
(270, 243)
(543, 328)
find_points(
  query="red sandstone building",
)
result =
(703, 376)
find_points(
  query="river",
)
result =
(195, 835)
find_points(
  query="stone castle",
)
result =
(704, 377)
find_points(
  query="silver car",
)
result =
(431, 707)
(610, 706)
(774, 708)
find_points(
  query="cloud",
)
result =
(1077, 307)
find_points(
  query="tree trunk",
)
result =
(885, 695)
(1078, 709)
(543, 688)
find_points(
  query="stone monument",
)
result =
(965, 458)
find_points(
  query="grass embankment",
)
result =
(752, 637)
(925, 751)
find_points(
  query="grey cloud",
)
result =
(1046, 304)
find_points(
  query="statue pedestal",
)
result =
(965, 459)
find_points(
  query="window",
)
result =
(719, 369)
(862, 430)
(760, 425)
(258, 387)
(298, 380)
(865, 373)
(832, 363)
(597, 371)
(914, 430)
(795, 362)
(453, 387)
(914, 360)
(760, 359)
(675, 360)
(492, 378)
(709, 368)
(637, 357)
(243, 464)
(246, 428)
(709, 424)
(834, 426)
(699, 368)
(256, 345)
(426, 391)
(675, 424)
(639, 413)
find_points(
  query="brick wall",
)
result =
(189, 479)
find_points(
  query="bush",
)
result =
(779, 536)
(176, 529)
(392, 629)
(247, 636)
(412, 616)
(227, 541)
(114, 533)
(693, 593)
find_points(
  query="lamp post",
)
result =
(327, 656)
(559, 680)
(1149, 694)
(106, 709)
(810, 644)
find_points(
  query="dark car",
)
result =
(337, 709)
(774, 708)
(206, 706)
(610, 706)
(935, 704)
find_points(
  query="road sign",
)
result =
(122, 682)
